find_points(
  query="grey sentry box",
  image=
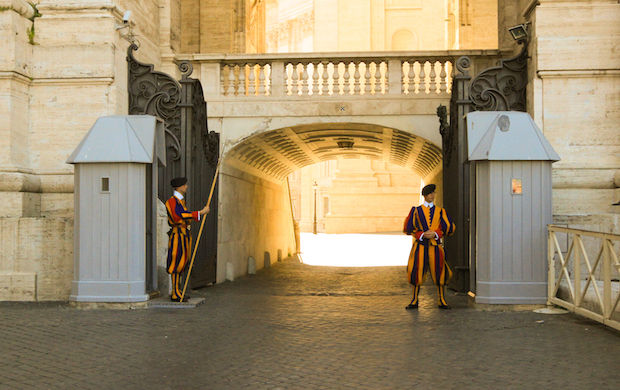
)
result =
(115, 221)
(512, 206)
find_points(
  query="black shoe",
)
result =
(444, 307)
(411, 306)
(173, 299)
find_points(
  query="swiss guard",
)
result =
(180, 238)
(428, 224)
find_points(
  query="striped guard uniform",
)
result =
(427, 255)
(179, 238)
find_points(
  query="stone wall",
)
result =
(574, 96)
(255, 220)
(55, 81)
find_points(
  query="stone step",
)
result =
(166, 303)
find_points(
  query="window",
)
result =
(105, 184)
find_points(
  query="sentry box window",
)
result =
(517, 187)
(105, 184)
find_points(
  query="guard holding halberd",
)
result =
(428, 224)
(180, 238)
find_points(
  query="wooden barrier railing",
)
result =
(572, 274)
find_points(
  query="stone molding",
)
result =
(20, 6)
(81, 5)
(36, 182)
(578, 73)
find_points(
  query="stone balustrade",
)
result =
(321, 75)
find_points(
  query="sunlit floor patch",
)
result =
(355, 250)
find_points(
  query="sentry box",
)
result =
(115, 197)
(511, 207)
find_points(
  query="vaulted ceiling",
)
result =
(280, 152)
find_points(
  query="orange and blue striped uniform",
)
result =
(427, 255)
(179, 239)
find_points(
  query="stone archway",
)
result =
(255, 210)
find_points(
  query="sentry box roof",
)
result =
(122, 138)
(506, 135)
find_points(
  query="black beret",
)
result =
(178, 182)
(428, 189)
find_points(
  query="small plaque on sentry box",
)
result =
(517, 187)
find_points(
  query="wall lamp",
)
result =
(519, 33)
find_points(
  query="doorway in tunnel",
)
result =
(350, 212)
(367, 175)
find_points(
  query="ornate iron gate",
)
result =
(191, 150)
(499, 88)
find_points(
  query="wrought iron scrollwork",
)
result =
(501, 88)
(155, 93)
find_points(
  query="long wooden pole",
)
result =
(202, 224)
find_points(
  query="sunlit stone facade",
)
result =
(61, 70)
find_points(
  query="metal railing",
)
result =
(576, 283)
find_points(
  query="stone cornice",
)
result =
(73, 6)
(370, 55)
(20, 6)
(13, 75)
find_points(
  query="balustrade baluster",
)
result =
(437, 68)
(385, 77)
(433, 75)
(347, 79)
(412, 77)
(404, 70)
(442, 77)
(367, 86)
(251, 80)
(305, 80)
(263, 88)
(337, 85)
(324, 79)
(315, 79)
(427, 77)
(295, 80)
(422, 78)
(377, 86)
(288, 74)
(234, 79)
(243, 80)
(356, 79)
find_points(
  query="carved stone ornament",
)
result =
(155, 93)
(501, 88)
(444, 130)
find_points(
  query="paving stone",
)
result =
(295, 326)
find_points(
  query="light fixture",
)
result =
(345, 144)
(519, 33)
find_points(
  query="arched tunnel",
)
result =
(255, 208)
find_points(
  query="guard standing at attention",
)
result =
(428, 224)
(180, 238)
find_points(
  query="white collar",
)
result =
(429, 205)
(178, 195)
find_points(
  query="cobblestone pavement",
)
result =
(301, 327)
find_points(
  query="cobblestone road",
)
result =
(300, 327)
